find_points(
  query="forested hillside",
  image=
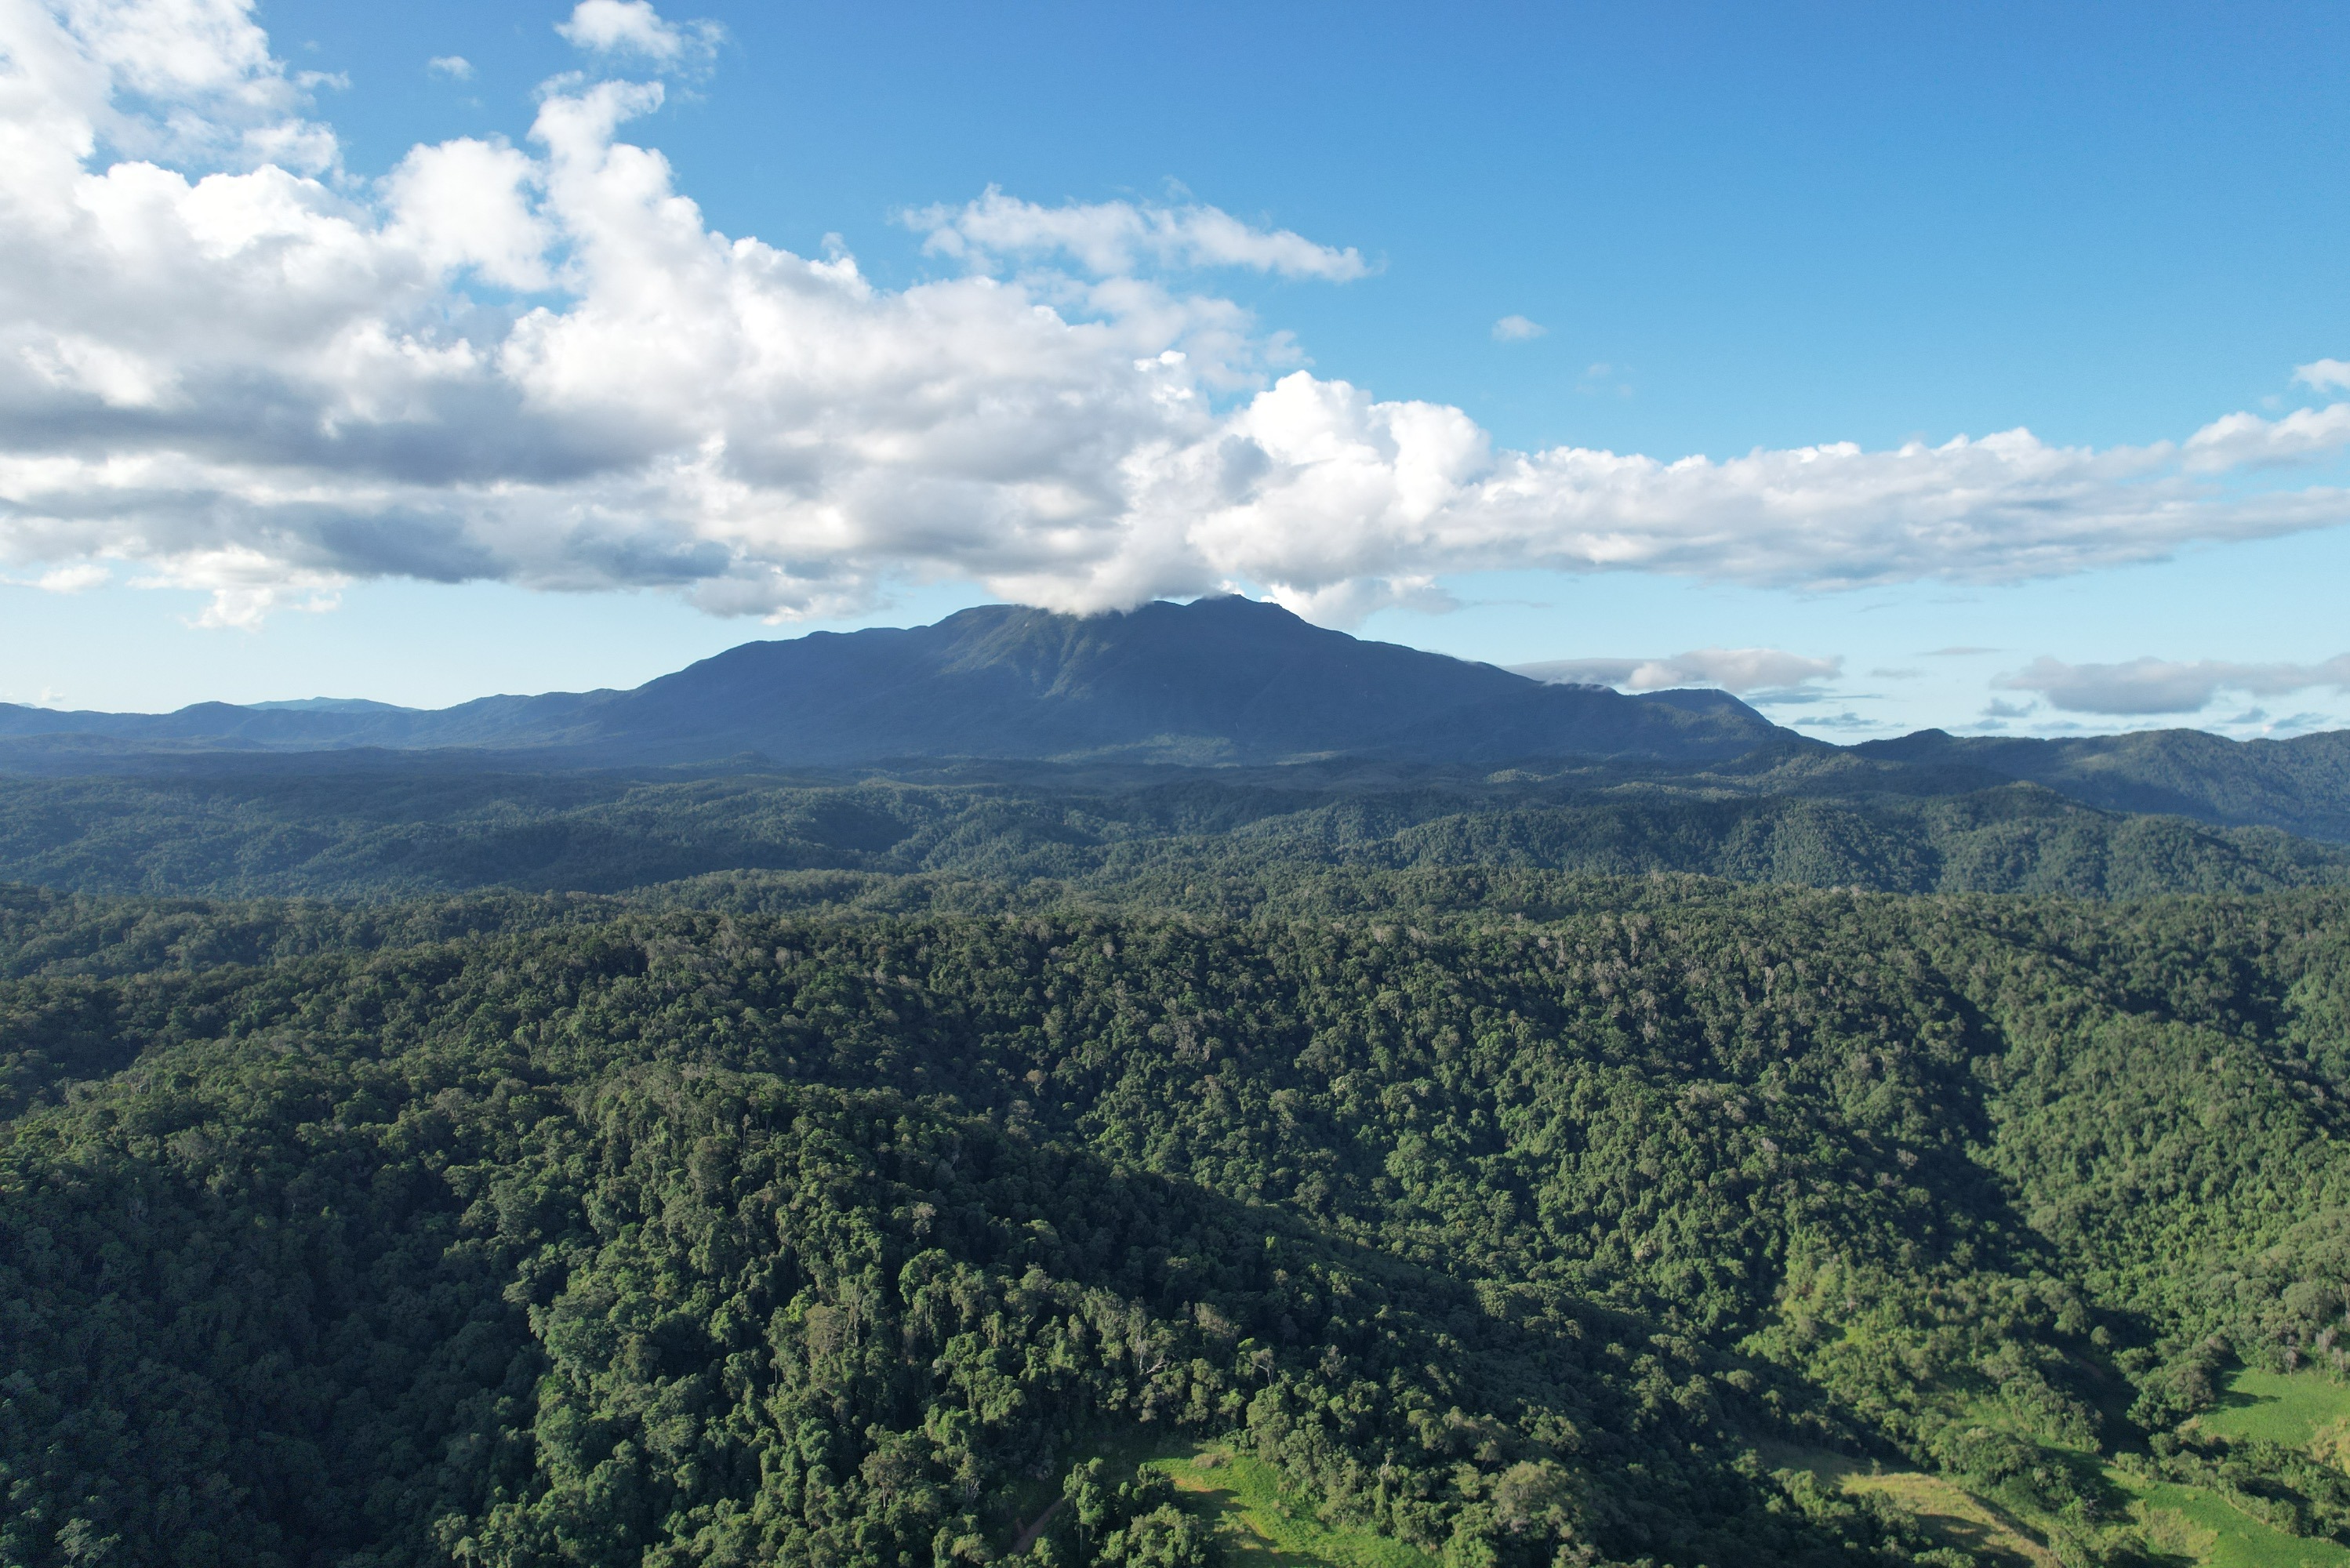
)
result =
(2300, 786)
(1590, 1228)
(1203, 838)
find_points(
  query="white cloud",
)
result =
(456, 67)
(1117, 238)
(201, 70)
(2165, 686)
(1740, 669)
(634, 28)
(468, 203)
(537, 363)
(1517, 329)
(118, 377)
(1347, 603)
(2245, 439)
(1355, 487)
(248, 584)
(73, 579)
(2324, 373)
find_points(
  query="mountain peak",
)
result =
(1218, 679)
(1221, 678)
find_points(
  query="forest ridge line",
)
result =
(1218, 682)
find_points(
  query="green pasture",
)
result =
(2188, 1522)
(2288, 1407)
(1264, 1526)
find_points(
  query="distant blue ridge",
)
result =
(1216, 682)
(1222, 679)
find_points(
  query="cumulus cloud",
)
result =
(205, 88)
(2145, 686)
(2323, 374)
(1517, 329)
(226, 364)
(456, 67)
(2244, 439)
(73, 579)
(470, 204)
(1738, 669)
(1117, 238)
(633, 27)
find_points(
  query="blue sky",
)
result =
(1730, 230)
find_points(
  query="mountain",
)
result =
(2302, 785)
(1218, 681)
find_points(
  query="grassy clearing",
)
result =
(1953, 1515)
(2194, 1524)
(1010, 1513)
(1263, 1526)
(2291, 1409)
(2302, 1410)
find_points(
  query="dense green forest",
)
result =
(1512, 1215)
(2302, 784)
(346, 827)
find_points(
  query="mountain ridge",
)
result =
(2300, 784)
(1216, 681)
(1219, 682)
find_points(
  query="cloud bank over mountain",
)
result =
(1738, 669)
(2144, 686)
(228, 363)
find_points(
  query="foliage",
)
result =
(1244, 1498)
(1034, 836)
(540, 1230)
(2300, 786)
(2295, 1409)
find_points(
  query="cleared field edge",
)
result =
(2194, 1522)
(1263, 1524)
(2290, 1407)
(2303, 1409)
(1952, 1514)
